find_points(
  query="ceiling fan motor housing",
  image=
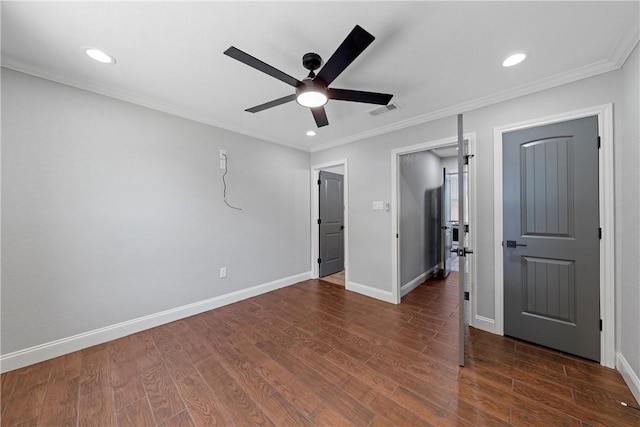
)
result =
(311, 61)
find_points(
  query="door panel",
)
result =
(463, 241)
(331, 223)
(551, 248)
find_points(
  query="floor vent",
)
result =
(384, 109)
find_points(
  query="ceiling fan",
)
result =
(313, 91)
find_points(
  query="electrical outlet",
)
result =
(223, 271)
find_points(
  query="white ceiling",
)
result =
(437, 58)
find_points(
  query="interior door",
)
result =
(463, 240)
(331, 223)
(551, 232)
(445, 225)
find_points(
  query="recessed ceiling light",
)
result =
(514, 59)
(100, 56)
(311, 133)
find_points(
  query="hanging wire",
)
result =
(224, 182)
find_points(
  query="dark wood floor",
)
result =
(314, 354)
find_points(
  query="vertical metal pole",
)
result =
(462, 265)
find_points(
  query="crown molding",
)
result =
(133, 98)
(537, 86)
(627, 40)
(621, 51)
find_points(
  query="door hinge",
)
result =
(599, 143)
(319, 182)
(319, 261)
(601, 324)
(319, 221)
(466, 296)
(600, 233)
(397, 235)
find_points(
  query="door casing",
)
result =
(395, 212)
(315, 214)
(607, 220)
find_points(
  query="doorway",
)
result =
(605, 210)
(329, 227)
(400, 284)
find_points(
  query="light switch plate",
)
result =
(378, 206)
(223, 271)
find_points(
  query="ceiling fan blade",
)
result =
(355, 43)
(249, 60)
(273, 103)
(359, 96)
(320, 116)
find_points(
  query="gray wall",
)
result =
(628, 219)
(370, 180)
(370, 176)
(420, 186)
(111, 211)
(451, 163)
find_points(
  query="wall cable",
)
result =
(224, 182)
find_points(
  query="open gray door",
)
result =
(463, 239)
(331, 222)
(551, 231)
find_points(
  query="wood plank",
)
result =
(158, 385)
(314, 354)
(138, 414)
(97, 408)
(59, 408)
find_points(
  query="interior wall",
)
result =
(451, 163)
(628, 220)
(112, 211)
(420, 205)
(370, 176)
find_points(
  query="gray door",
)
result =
(331, 223)
(463, 238)
(445, 226)
(551, 242)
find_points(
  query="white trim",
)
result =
(621, 51)
(623, 48)
(395, 210)
(412, 284)
(607, 220)
(627, 41)
(315, 213)
(630, 377)
(370, 291)
(137, 99)
(484, 323)
(39, 353)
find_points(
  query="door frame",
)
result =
(607, 219)
(395, 212)
(315, 215)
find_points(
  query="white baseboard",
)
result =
(386, 296)
(42, 352)
(485, 324)
(411, 285)
(630, 377)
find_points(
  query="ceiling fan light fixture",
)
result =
(312, 99)
(311, 95)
